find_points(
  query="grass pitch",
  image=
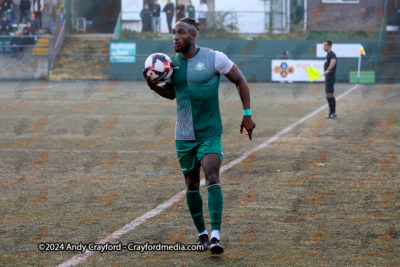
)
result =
(79, 160)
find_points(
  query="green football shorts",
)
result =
(191, 152)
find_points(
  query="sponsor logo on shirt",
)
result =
(200, 66)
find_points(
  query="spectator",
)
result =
(5, 6)
(57, 8)
(33, 21)
(156, 17)
(191, 10)
(24, 8)
(169, 10)
(10, 13)
(29, 31)
(145, 14)
(5, 26)
(21, 29)
(285, 54)
(37, 8)
(180, 11)
(48, 7)
(16, 43)
(1, 8)
(60, 6)
(202, 13)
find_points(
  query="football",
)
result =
(158, 67)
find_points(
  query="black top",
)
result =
(29, 31)
(169, 7)
(145, 13)
(156, 10)
(7, 3)
(181, 9)
(329, 57)
(5, 25)
(25, 5)
(16, 41)
(29, 40)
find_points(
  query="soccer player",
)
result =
(330, 71)
(194, 83)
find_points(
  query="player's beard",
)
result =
(183, 49)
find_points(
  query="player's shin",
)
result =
(215, 204)
(195, 204)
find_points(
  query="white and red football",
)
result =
(158, 67)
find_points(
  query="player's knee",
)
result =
(192, 185)
(213, 178)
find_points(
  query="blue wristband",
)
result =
(247, 112)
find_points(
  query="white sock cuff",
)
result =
(187, 190)
(204, 232)
(215, 233)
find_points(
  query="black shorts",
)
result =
(329, 83)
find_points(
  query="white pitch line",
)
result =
(276, 136)
(163, 206)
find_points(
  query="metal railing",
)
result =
(7, 40)
(55, 43)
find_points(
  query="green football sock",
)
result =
(195, 204)
(215, 204)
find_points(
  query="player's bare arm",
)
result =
(166, 90)
(331, 66)
(236, 76)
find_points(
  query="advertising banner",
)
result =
(122, 52)
(295, 70)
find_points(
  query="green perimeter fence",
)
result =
(254, 57)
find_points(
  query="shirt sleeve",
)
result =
(331, 55)
(222, 63)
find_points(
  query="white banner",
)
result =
(295, 70)
(341, 50)
(131, 9)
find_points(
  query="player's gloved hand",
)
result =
(150, 83)
(248, 124)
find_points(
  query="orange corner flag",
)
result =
(362, 51)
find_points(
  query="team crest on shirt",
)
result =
(200, 66)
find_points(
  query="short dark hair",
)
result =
(191, 21)
(329, 42)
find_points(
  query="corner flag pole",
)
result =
(359, 67)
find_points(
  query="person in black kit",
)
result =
(169, 9)
(330, 78)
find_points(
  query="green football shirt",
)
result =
(196, 82)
